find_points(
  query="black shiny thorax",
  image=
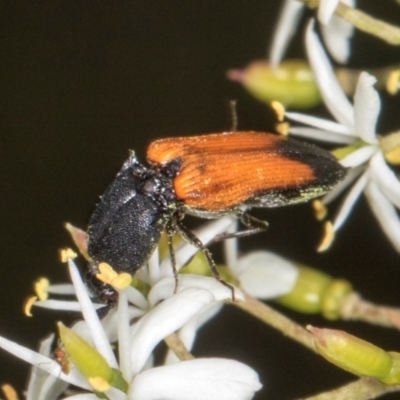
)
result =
(127, 223)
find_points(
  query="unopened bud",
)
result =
(291, 83)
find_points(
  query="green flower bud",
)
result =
(353, 354)
(316, 292)
(307, 294)
(291, 83)
(118, 381)
(393, 378)
(89, 362)
(333, 296)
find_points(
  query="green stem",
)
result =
(355, 308)
(387, 32)
(277, 321)
(174, 342)
(363, 389)
(364, 22)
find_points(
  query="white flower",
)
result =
(355, 125)
(159, 276)
(201, 379)
(205, 379)
(265, 275)
(261, 274)
(336, 32)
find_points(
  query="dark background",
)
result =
(83, 82)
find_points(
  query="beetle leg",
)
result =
(170, 232)
(190, 237)
(254, 225)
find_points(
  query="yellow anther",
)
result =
(392, 83)
(107, 273)
(320, 210)
(111, 277)
(40, 287)
(65, 254)
(329, 236)
(393, 156)
(122, 281)
(9, 392)
(282, 128)
(390, 145)
(28, 305)
(279, 109)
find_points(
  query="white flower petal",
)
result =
(351, 176)
(367, 106)
(350, 200)
(188, 332)
(201, 379)
(359, 156)
(285, 29)
(331, 92)
(124, 336)
(186, 251)
(82, 329)
(153, 269)
(265, 275)
(385, 178)
(319, 135)
(337, 35)
(385, 213)
(51, 388)
(116, 394)
(162, 320)
(165, 288)
(113, 394)
(44, 363)
(326, 9)
(62, 305)
(100, 339)
(62, 288)
(231, 246)
(37, 376)
(321, 123)
(110, 322)
(136, 298)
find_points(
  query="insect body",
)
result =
(206, 176)
(62, 359)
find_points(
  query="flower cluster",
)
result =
(137, 325)
(113, 357)
(335, 31)
(356, 127)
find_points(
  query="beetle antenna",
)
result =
(234, 116)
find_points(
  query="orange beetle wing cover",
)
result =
(220, 171)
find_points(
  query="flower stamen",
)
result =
(28, 305)
(110, 276)
(40, 287)
(65, 254)
(329, 237)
